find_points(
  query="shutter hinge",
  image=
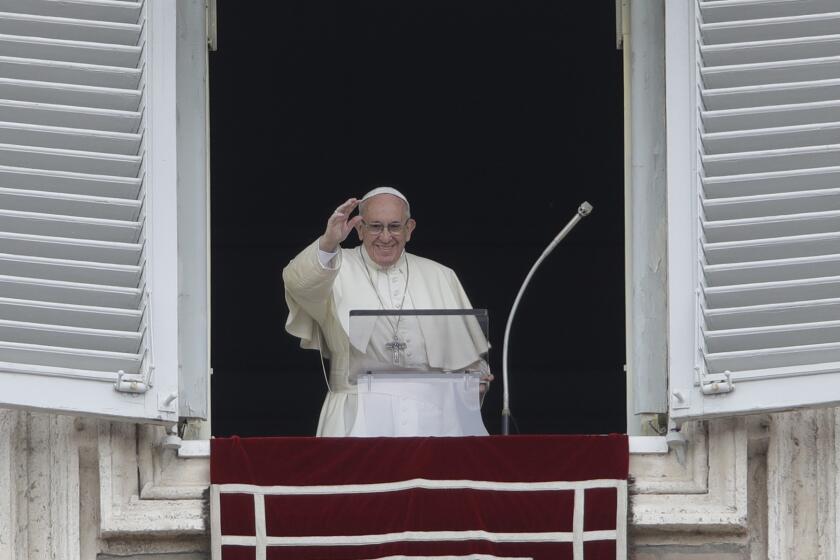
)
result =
(717, 384)
(131, 383)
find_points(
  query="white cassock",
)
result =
(321, 297)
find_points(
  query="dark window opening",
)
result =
(496, 118)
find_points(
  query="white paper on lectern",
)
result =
(419, 404)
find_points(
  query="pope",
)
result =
(325, 281)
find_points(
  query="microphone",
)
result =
(583, 210)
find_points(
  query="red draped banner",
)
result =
(540, 497)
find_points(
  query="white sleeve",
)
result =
(325, 258)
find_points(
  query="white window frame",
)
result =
(162, 200)
(681, 169)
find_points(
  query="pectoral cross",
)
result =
(396, 346)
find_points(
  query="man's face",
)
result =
(384, 229)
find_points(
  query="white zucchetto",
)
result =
(386, 190)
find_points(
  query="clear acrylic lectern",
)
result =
(418, 372)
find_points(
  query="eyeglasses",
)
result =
(377, 228)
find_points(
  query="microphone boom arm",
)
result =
(583, 210)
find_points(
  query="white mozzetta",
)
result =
(88, 206)
(754, 205)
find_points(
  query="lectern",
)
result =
(418, 372)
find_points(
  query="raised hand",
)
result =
(339, 226)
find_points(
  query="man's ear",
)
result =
(409, 226)
(359, 227)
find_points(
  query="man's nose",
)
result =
(386, 234)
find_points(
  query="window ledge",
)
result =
(197, 449)
(642, 445)
(648, 445)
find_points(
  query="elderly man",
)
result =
(325, 282)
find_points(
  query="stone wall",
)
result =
(77, 488)
(742, 489)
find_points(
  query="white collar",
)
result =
(368, 262)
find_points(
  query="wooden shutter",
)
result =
(754, 204)
(86, 177)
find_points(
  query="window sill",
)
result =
(639, 445)
(194, 449)
(648, 445)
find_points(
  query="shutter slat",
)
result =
(772, 336)
(70, 271)
(770, 116)
(103, 10)
(78, 161)
(46, 202)
(786, 27)
(91, 118)
(797, 356)
(69, 73)
(70, 51)
(771, 50)
(69, 94)
(739, 10)
(56, 225)
(752, 184)
(68, 138)
(69, 29)
(773, 204)
(69, 292)
(70, 315)
(762, 161)
(770, 249)
(766, 293)
(788, 313)
(772, 226)
(70, 337)
(69, 358)
(768, 270)
(820, 134)
(52, 371)
(787, 93)
(740, 75)
(70, 183)
(70, 248)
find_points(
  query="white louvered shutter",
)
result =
(754, 204)
(88, 271)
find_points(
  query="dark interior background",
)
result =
(495, 117)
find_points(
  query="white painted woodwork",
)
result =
(754, 204)
(88, 210)
(193, 101)
(645, 213)
(69, 116)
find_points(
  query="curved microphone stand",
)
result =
(583, 211)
